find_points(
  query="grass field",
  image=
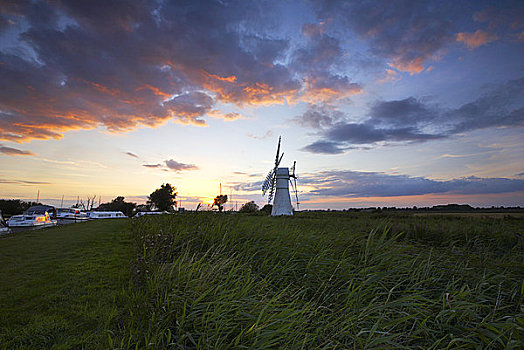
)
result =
(63, 287)
(312, 281)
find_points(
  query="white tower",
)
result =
(282, 203)
(277, 182)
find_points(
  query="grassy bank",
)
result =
(63, 287)
(327, 281)
(312, 281)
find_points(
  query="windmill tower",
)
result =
(277, 183)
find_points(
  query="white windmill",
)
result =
(277, 183)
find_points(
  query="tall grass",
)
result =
(324, 281)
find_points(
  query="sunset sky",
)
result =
(381, 103)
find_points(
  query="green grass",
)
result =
(327, 281)
(312, 281)
(63, 287)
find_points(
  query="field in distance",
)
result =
(314, 280)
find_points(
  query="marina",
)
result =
(43, 216)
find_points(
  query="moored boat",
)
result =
(34, 217)
(3, 225)
(68, 215)
(95, 215)
(142, 213)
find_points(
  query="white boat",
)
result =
(142, 213)
(37, 217)
(70, 215)
(3, 225)
(94, 215)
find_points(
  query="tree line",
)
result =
(161, 199)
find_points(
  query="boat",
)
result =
(95, 215)
(3, 225)
(69, 215)
(142, 213)
(34, 217)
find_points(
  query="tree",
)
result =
(267, 209)
(163, 198)
(219, 201)
(118, 204)
(14, 206)
(249, 207)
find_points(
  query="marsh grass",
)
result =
(325, 281)
(312, 281)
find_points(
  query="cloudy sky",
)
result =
(381, 103)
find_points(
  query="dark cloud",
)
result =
(324, 147)
(189, 107)
(353, 184)
(176, 166)
(123, 64)
(374, 184)
(246, 174)
(320, 116)
(255, 186)
(316, 61)
(409, 111)
(171, 164)
(502, 20)
(14, 151)
(412, 120)
(501, 106)
(130, 63)
(367, 133)
(407, 33)
(131, 154)
(23, 182)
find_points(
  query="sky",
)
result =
(380, 103)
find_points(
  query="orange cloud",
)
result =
(391, 75)
(327, 89)
(412, 66)
(230, 79)
(227, 117)
(474, 40)
(256, 93)
(155, 90)
(101, 88)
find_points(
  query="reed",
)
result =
(325, 281)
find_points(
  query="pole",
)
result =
(38, 196)
(62, 203)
